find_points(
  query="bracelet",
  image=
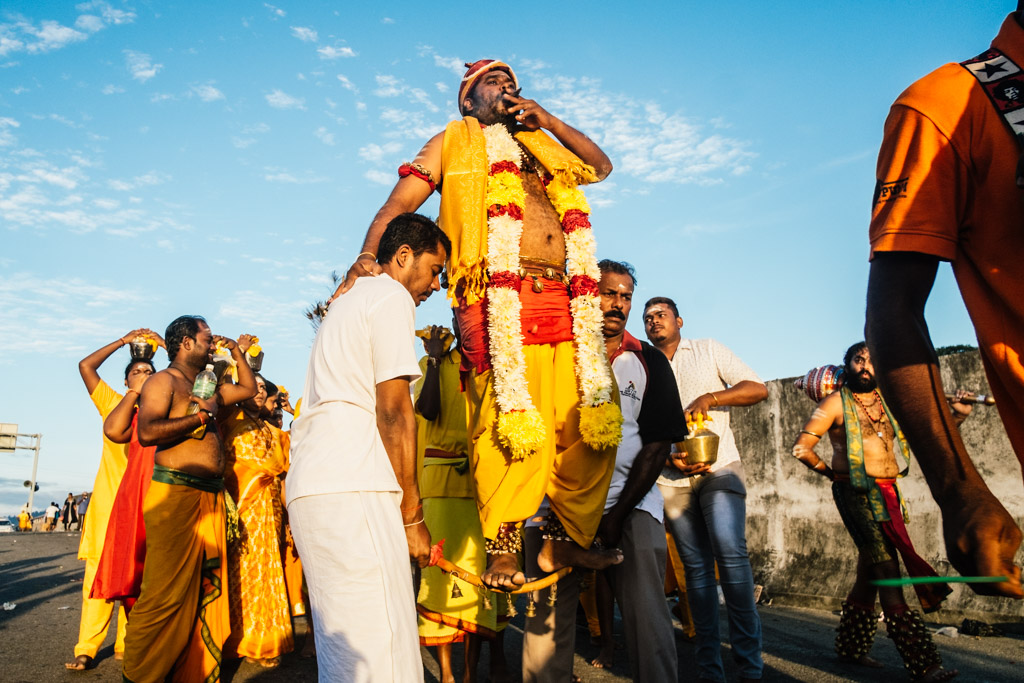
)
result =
(414, 523)
(433, 362)
(804, 431)
(712, 395)
(367, 253)
(202, 417)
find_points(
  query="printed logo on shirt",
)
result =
(891, 191)
(630, 391)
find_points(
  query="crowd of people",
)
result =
(537, 454)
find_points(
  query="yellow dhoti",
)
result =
(574, 476)
(180, 622)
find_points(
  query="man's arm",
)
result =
(745, 393)
(532, 116)
(408, 195)
(981, 536)
(155, 428)
(89, 366)
(823, 419)
(641, 478)
(396, 424)
(227, 393)
(428, 403)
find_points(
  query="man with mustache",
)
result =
(865, 442)
(705, 506)
(511, 207)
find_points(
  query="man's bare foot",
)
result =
(503, 573)
(863, 660)
(271, 663)
(937, 674)
(79, 663)
(982, 540)
(555, 555)
(119, 656)
(606, 659)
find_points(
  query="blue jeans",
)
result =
(708, 523)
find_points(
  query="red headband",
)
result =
(477, 69)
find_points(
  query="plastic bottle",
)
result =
(204, 387)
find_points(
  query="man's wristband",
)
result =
(712, 395)
(433, 361)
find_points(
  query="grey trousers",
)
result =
(549, 641)
(639, 586)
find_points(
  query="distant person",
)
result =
(353, 500)
(50, 516)
(950, 187)
(866, 442)
(25, 519)
(181, 620)
(69, 513)
(96, 614)
(83, 507)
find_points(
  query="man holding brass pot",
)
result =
(705, 502)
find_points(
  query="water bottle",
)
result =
(204, 387)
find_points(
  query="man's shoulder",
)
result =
(943, 94)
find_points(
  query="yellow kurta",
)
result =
(261, 625)
(450, 513)
(96, 614)
(180, 621)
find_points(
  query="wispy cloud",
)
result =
(207, 93)
(282, 100)
(390, 86)
(305, 34)
(6, 136)
(324, 136)
(347, 84)
(22, 35)
(112, 89)
(144, 180)
(275, 12)
(379, 177)
(331, 52)
(276, 175)
(375, 153)
(140, 65)
(647, 142)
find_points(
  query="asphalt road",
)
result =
(40, 576)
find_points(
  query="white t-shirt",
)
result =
(631, 378)
(367, 337)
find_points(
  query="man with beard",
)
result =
(180, 621)
(511, 206)
(866, 442)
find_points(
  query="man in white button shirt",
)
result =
(706, 505)
(353, 502)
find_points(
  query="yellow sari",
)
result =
(261, 625)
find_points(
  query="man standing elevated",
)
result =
(353, 501)
(541, 410)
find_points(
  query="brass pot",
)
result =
(141, 349)
(700, 447)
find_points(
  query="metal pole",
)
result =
(35, 466)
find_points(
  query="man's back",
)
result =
(365, 338)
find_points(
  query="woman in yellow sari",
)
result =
(261, 628)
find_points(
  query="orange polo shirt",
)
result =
(946, 187)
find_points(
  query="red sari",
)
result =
(119, 573)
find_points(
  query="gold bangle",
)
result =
(804, 431)
(367, 253)
(712, 394)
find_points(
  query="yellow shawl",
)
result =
(463, 217)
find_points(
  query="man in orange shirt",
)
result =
(949, 190)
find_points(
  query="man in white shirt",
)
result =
(706, 505)
(352, 483)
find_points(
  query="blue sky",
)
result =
(223, 158)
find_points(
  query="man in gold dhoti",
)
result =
(180, 622)
(541, 414)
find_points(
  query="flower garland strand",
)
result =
(520, 426)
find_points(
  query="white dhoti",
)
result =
(356, 561)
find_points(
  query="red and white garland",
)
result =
(520, 426)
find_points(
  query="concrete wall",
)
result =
(799, 548)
